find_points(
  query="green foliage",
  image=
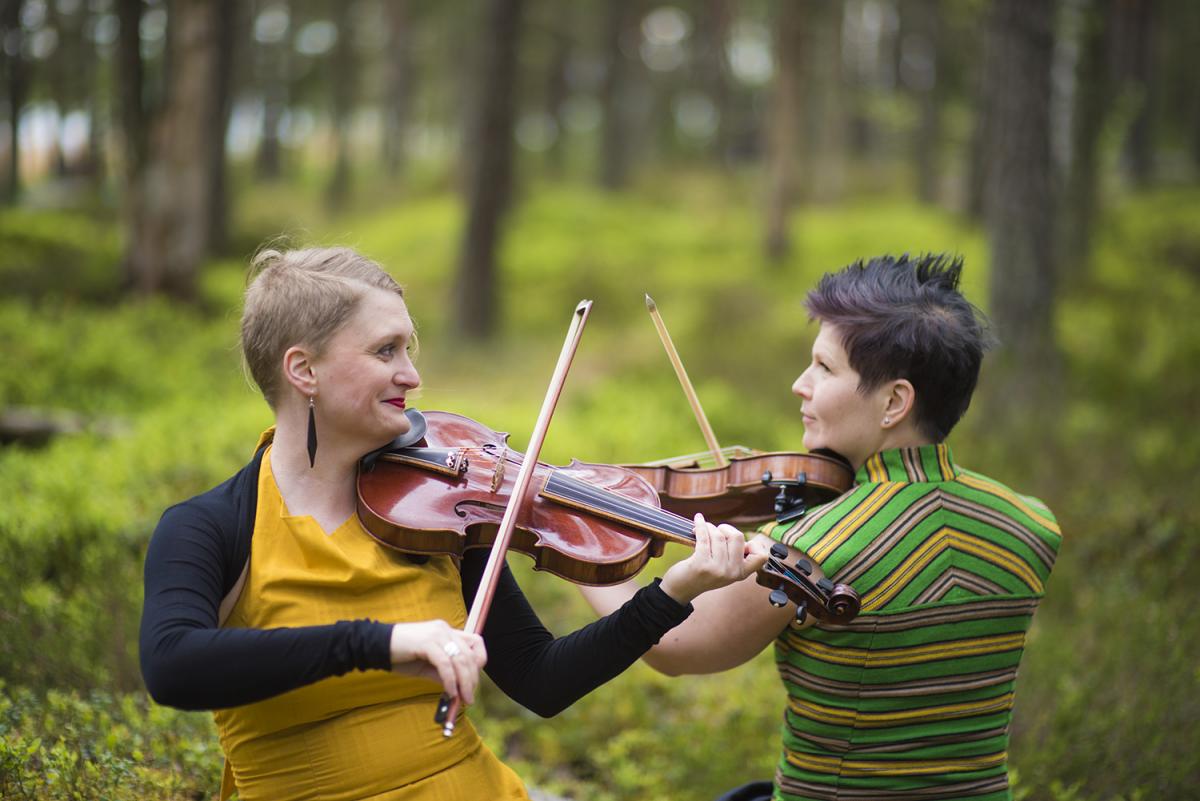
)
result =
(77, 515)
(1107, 702)
(103, 747)
(58, 253)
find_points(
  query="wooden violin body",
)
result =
(589, 523)
(449, 496)
(745, 490)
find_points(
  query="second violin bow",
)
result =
(709, 437)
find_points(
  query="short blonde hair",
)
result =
(301, 297)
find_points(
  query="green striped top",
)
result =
(913, 698)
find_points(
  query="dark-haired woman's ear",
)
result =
(901, 399)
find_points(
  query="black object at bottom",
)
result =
(754, 791)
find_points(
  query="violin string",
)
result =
(632, 510)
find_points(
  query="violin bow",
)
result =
(709, 437)
(447, 710)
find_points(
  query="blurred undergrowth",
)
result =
(1107, 707)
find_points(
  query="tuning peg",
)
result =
(778, 598)
(802, 612)
(779, 550)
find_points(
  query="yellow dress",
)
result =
(366, 734)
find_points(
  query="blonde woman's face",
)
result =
(366, 372)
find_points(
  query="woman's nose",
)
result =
(801, 387)
(407, 376)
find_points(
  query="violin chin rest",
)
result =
(415, 434)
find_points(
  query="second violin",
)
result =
(750, 487)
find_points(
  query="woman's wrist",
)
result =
(677, 587)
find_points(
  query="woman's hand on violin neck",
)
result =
(722, 557)
(433, 649)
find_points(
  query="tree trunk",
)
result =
(1135, 53)
(614, 144)
(712, 34)
(228, 32)
(1018, 204)
(978, 149)
(489, 144)
(1093, 88)
(342, 103)
(274, 67)
(920, 66)
(94, 159)
(15, 84)
(131, 78)
(59, 72)
(783, 123)
(823, 154)
(557, 90)
(129, 86)
(398, 82)
(167, 240)
(95, 163)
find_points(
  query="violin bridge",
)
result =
(498, 473)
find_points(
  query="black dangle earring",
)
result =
(312, 432)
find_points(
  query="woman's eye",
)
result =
(387, 350)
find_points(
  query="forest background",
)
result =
(505, 159)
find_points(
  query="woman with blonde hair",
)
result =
(322, 652)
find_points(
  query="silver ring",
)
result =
(452, 649)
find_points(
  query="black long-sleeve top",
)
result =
(188, 661)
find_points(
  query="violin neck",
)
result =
(653, 520)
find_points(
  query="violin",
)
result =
(589, 523)
(750, 487)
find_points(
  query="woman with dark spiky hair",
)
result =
(913, 698)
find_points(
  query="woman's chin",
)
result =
(395, 424)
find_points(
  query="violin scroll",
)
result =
(844, 603)
(832, 603)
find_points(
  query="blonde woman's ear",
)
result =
(299, 371)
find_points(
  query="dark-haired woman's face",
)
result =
(836, 415)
